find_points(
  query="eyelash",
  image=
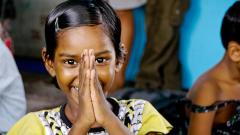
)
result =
(70, 62)
(103, 60)
(98, 61)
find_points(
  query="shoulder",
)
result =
(27, 125)
(132, 105)
(48, 116)
(144, 116)
(6, 59)
(5, 52)
(37, 123)
(131, 101)
(153, 121)
(205, 91)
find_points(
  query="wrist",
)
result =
(109, 119)
(79, 129)
(115, 126)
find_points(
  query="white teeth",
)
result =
(76, 88)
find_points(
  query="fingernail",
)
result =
(93, 72)
(84, 52)
(93, 57)
(92, 51)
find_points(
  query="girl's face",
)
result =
(70, 44)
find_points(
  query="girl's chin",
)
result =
(74, 95)
(96, 125)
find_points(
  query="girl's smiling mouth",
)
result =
(75, 92)
(74, 88)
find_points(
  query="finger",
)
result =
(83, 73)
(81, 84)
(84, 59)
(87, 59)
(85, 92)
(82, 68)
(97, 91)
(81, 63)
(85, 63)
(98, 85)
(88, 79)
(92, 60)
(93, 86)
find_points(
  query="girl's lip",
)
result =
(74, 89)
(74, 93)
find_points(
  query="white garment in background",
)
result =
(126, 4)
(12, 95)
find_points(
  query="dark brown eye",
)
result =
(100, 60)
(70, 62)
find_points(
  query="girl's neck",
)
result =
(228, 70)
(71, 112)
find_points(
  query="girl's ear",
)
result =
(48, 63)
(119, 64)
(234, 51)
(121, 59)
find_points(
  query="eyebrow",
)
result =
(96, 54)
(102, 52)
(66, 55)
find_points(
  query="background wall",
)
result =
(28, 27)
(201, 46)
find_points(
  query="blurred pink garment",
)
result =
(8, 43)
(12, 93)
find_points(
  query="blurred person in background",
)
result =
(214, 107)
(12, 96)
(160, 67)
(8, 13)
(124, 9)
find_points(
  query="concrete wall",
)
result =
(28, 27)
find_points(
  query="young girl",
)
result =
(215, 97)
(83, 52)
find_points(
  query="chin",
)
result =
(96, 125)
(105, 93)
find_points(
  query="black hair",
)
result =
(230, 30)
(75, 13)
(7, 9)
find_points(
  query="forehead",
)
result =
(77, 39)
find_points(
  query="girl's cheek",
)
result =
(68, 74)
(104, 74)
